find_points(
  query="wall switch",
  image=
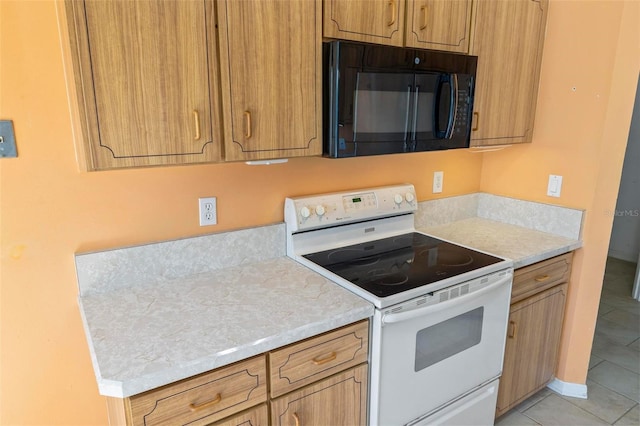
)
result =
(438, 178)
(555, 186)
(7, 139)
(208, 211)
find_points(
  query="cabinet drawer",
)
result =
(313, 359)
(540, 276)
(203, 399)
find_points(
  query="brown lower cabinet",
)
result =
(318, 381)
(533, 333)
(338, 400)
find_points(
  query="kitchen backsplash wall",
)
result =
(113, 269)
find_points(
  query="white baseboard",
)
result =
(575, 390)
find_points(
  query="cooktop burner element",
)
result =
(396, 264)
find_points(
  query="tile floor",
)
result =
(613, 380)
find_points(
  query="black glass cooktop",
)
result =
(392, 265)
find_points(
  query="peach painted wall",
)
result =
(589, 75)
(49, 210)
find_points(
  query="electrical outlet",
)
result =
(208, 211)
(438, 179)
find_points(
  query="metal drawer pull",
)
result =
(326, 359)
(476, 116)
(512, 329)
(196, 120)
(394, 11)
(423, 9)
(247, 119)
(541, 278)
(296, 418)
(214, 401)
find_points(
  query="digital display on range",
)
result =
(359, 202)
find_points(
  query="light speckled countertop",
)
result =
(149, 328)
(522, 245)
(524, 231)
(152, 335)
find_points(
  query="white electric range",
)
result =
(438, 332)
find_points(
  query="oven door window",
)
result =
(445, 339)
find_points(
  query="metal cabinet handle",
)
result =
(394, 12)
(512, 329)
(214, 401)
(247, 122)
(296, 418)
(423, 9)
(476, 116)
(542, 278)
(325, 359)
(196, 122)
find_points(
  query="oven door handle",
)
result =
(429, 309)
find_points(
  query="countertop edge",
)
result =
(547, 254)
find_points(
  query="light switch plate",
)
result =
(438, 178)
(555, 186)
(7, 140)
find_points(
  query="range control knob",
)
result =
(320, 210)
(305, 212)
(398, 198)
(409, 197)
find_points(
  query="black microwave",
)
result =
(387, 100)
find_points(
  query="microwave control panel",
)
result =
(320, 211)
(463, 105)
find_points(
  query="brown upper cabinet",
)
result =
(148, 80)
(271, 74)
(423, 24)
(507, 38)
(146, 94)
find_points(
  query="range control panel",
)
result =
(324, 210)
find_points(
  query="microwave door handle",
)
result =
(414, 124)
(406, 117)
(355, 108)
(452, 79)
(453, 105)
(430, 309)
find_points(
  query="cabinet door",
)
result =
(271, 73)
(142, 72)
(439, 24)
(257, 416)
(531, 350)
(508, 40)
(371, 21)
(338, 400)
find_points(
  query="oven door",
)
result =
(425, 356)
